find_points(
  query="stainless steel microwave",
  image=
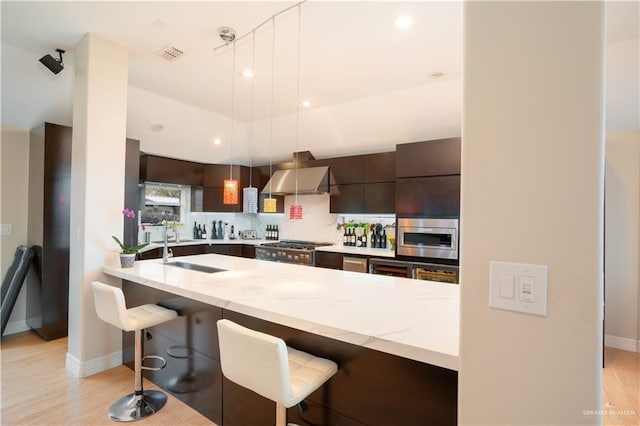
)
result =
(432, 238)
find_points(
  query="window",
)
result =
(163, 201)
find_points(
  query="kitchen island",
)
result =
(395, 340)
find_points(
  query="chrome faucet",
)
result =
(166, 252)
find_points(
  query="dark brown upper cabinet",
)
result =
(347, 198)
(431, 158)
(347, 170)
(214, 176)
(380, 167)
(379, 197)
(169, 170)
(437, 196)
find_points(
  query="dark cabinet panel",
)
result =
(169, 170)
(329, 260)
(212, 201)
(380, 167)
(131, 189)
(188, 250)
(57, 150)
(379, 197)
(249, 252)
(50, 178)
(228, 249)
(431, 196)
(347, 198)
(155, 253)
(347, 170)
(215, 174)
(430, 158)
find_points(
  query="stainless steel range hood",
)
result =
(311, 180)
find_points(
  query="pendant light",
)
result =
(270, 204)
(230, 186)
(295, 210)
(250, 194)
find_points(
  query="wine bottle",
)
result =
(204, 231)
(195, 230)
(199, 233)
(384, 239)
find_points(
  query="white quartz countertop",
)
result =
(362, 251)
(411, 318)
(154, 245)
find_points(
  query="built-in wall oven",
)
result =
(428, 238)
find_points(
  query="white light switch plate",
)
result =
(530, 292)
(6, 229)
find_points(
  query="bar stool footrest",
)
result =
(158, 357)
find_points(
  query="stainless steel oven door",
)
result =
(434, 238)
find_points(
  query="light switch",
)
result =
(518, 287)
(527, 289)
(506, 286)
(6, 229)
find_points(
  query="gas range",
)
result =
(289, 251)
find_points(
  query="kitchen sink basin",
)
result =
(194, 267)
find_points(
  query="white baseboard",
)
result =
(623, 343)
(94, 366)
(16, 327)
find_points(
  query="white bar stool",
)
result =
(111, 308)
(267, 366)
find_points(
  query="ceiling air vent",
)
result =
(169, 53)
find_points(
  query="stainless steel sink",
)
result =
(194, 267)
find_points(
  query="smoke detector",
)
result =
(227, 34)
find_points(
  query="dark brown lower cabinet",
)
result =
(370, 387)
(325, 259)
(228, 249)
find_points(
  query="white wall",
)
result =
(97, 197)
(622, 204)
(14, 156)
(532, 192)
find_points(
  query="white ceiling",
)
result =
(368, 80)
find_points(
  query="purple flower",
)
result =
(129, 213)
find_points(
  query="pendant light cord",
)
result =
(298, 101)
(233, 97)
(253, 57)
(273, 62)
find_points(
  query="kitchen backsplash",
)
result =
(317, 224)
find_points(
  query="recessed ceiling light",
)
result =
(403, 22)
(247, 73)
(306, 103)
(157, 127)
(436, 75)
(217, 141)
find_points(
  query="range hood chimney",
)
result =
(311, 180)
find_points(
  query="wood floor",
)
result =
(621, 388)
(38, 390)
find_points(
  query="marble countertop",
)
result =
(410, 318)
(362, 251)
(156, 244)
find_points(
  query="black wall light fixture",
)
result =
(54, 65)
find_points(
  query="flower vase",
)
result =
(127, 260)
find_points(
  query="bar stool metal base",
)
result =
(134, 407)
